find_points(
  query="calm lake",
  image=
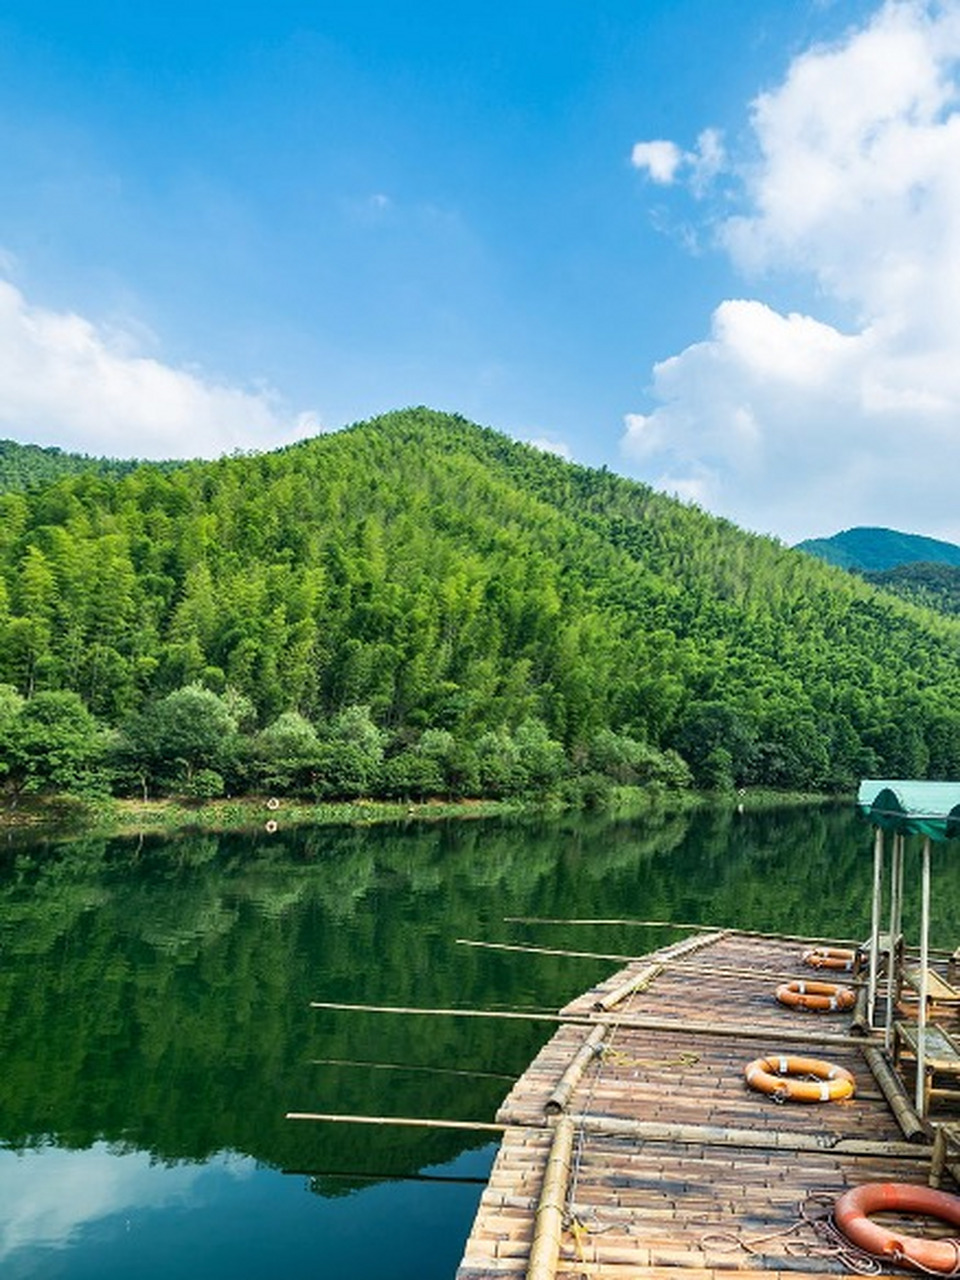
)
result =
(154, 1006)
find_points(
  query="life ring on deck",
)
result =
(851, 1210)
(776, 1075)
(822, 997)
(830, 958)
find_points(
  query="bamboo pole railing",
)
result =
(551, 1206)
(637, 983)
(729, 1136)
(591, 1049)
(893, 1089)
(656, 1131)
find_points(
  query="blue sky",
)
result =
(710, 246)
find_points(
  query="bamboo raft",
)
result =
(632, 1146)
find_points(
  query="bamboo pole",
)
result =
(639, 982)
(892, 1088)
(548, 1220)
(383, 1175)
(591, 1048)
(451, 1013)
(408, 1122)
(655, 1131)
(714, 970)
(717, 971)
(544, 951)
(801, 938)
(410, 1066)
(723, 1135)
(743, 1031)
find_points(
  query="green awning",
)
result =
(911, 807)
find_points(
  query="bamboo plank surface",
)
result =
(678, 1170)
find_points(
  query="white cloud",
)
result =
(545, 445)
(47, 1196)
(660, 158)
(665, 163)
(64, 381)
(788, 423)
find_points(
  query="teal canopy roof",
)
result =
(912, 808)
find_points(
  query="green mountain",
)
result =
(418, 602)
(869, 550)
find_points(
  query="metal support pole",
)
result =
(894, 925)
(874, 968)
(924, 956)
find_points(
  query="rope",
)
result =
(898, 1255)
(834, 1244)
(617, 1058)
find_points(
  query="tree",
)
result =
(189, 730)
(286, 753)
(53, 744)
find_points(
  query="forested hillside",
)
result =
(934, 586)
(418, 605)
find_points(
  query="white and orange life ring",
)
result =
(821, 997)
(851, 1215)
(830, 958)
(781, 1076)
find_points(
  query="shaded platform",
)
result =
(672, 1161)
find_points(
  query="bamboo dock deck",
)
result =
(651, 1154)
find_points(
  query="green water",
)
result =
(155, 1022)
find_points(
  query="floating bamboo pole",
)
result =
(408, 1122)
(548, 1221)
(591, 1048)
(726, 1136)
(892, 1088)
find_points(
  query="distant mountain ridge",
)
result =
(25, 466)
(868, 549)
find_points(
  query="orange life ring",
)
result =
(830, 958)
(851, 1210)
(776, 1074)
(822, 997)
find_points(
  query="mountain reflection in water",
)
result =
(156, 1024)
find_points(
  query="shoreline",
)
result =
(67, 817)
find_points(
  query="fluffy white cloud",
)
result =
(791, 424)
(660, 158)
(64, 381)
